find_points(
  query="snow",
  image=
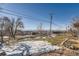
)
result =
(29, 48)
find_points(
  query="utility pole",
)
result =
(51, 17)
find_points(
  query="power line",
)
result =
(24, 16)
(56, 24)
(29, 18)
(10, 13)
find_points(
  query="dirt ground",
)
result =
(64, 52)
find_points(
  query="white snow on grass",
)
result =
(29, 48)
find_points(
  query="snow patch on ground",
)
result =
(29, 48)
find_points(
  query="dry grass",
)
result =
(62, 52)
(74, 41)
(56, 40)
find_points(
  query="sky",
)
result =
(33, 14)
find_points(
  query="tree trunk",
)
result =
(66, 39)
(2, 37)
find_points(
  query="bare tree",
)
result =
(75, 25)
(2, 28)
(13, 26)
(10, 26)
